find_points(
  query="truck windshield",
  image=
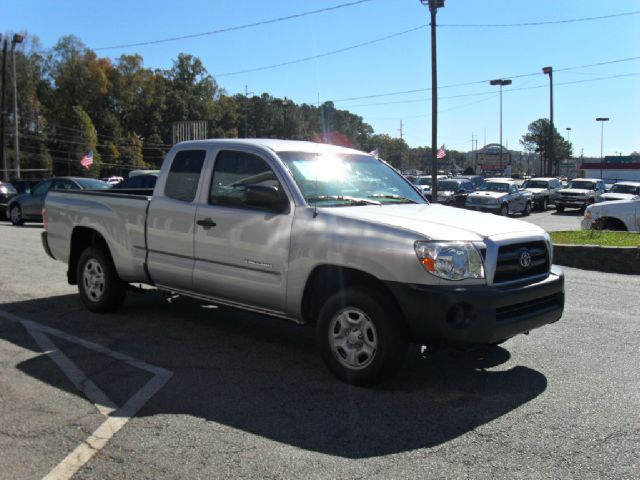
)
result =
(582, 185)
(617, 188)
(536, 184)
(495, 187)
(331, 180)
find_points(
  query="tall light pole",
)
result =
(601, 120)
(550, 156)
(502, 82)
(17, 38)
(434, 5)
(5, 170)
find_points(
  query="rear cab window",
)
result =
(184, 175)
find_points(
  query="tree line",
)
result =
(71, 101)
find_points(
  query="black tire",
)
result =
(544, 204)
(527, 209)
(504, 210)
(373, 322)
(560, 208)
(100, 288)
(15, 215)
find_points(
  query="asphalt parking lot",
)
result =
(185, 390)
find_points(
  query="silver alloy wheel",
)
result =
(353, 338)
(504, 210)
(16, 214)
(93, 280)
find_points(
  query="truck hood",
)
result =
(605, 197)
(488, 194)
(436, 222)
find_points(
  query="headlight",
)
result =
(450, 260)
(4, 189)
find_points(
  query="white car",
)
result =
(621, 191)
(623, 215)
(501, 196)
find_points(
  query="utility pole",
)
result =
(433, 9)
(17, 38)
(5, 170)
(551, 155)
(246, 109)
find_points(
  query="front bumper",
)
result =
(488, 207)
(571, 203)
(479, 314)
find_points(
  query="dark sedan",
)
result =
(28, 206)
(7, 192)
(453, 192)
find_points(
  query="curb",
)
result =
(603, 259)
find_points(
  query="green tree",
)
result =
(87, 142)
(537, 139)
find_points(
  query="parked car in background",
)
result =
(544, 189)
(477, 180)
(501, 196)
(28, 206)
(7, 192)
(134, 173)
(23, 185)
(112, 180)
(423, 182)
(622, 215)
(580, 193)
(453, 192)
(621, 191)
(144, 181)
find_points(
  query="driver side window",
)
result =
(233, 171)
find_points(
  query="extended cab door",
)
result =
(241, 245)
(170, 221)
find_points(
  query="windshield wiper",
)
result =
(345, 198)
(394, 197)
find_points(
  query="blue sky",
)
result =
(466, 54)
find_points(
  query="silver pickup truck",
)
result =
(315, 234)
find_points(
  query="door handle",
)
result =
(207, 223)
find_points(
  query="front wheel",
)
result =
(504, 210)
(15, 214)
(543, 204)
(560, 208)
(360, 336)
(527, 209)
(100, 288)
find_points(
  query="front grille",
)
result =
(532, 307)
(512, 266)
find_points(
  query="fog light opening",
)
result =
(459, 316)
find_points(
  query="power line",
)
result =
(239, 27)
(477, 82)
(535, 24)
(489, 93)
(320, 55)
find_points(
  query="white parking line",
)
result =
(116, 417)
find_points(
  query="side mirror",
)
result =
(265, 197)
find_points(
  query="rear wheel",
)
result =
(15, 214)
(100, 288)
(360, 337)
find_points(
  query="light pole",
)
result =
(5, 170)
(601, 120)
(568, 134)
(17, 38)
(502, 83)
(550, 156)
(434, 5)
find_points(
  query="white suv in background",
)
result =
(621, 191)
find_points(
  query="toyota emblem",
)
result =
(525, 259)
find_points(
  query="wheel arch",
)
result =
(325, 280)
(81, 238)
(611, 223)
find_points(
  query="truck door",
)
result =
(241, 251)
(170, 221)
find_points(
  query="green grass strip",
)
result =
(596, 237)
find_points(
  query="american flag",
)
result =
(441, 152)
(87, 160)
